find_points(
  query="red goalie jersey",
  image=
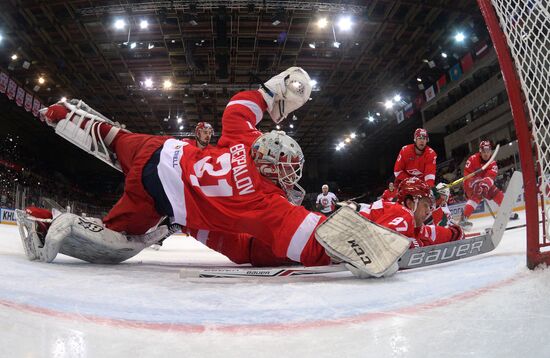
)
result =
(409, 164)
(220, 189)
(396, 217)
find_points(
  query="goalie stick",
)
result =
(413, 258)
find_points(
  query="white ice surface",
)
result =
(485, 306)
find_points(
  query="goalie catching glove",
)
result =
(286, 92)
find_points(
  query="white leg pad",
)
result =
(91, 241)
(367, 248)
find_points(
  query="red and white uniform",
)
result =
(488, 175)
(409, 164)
(327, 202)
(442, 216)
(398, 218)
(217, 190)
(389, 195)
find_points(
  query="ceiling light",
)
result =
(41, 80)
(313, 83)
(418, 79)
(312, 45)
(133, 45)
(150, 46)
(143, 24)
(443, 54)
(371, 119)
(181, 128)
(336, 44)
(14, 57)
(352, 135)
(291, 125)
(1, 37)
(179, 119)
(341, 144)
(63, 99)
(278, 126)
(388, 104)
(345, 23)
(148, 83)
(167, 84)
(119, 24)
(396, 98)
(378, 114)
(322, 22)
(347, 140)
(459, 37)
(294, 118)
(338, 148)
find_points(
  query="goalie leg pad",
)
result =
(367, 248)
(91, 241)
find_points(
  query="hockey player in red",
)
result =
(482, 185)
(389, 194)
(407, 215)
(416, 160)
(203, 134)
(246, 184)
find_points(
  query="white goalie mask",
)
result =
(280, 159)
(286, 92)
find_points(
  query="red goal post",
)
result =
(520, 31)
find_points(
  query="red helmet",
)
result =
(421, 132)
(203, 125)
(484, 145)
(413, 188)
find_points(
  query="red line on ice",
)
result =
(199, 328)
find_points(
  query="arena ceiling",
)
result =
(209, 50)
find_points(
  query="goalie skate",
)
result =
(30, 239)
(87, 138)
(366, 247)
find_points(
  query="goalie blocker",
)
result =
(367, 248)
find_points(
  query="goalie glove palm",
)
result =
(286, 92)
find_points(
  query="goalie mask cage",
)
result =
(520, 31)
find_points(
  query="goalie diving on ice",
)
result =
(247, 184)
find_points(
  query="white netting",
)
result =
(526, 25)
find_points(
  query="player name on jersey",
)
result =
(241, 176)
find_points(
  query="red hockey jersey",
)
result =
(398, 218)
(220, 189)
(389, 195)
(409, 164)
(474, 163)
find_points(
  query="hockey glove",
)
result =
(456, 232)
(286, 92)
(481, 187)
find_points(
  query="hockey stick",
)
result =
(451, 251)
(347, 202)
(255, 272)
(489, 206)
(459, 181)
(413, 258)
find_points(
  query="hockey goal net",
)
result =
(520, 31)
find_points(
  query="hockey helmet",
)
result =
(421, 132)
(278, 157)
(485, 145)
(414, 188)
